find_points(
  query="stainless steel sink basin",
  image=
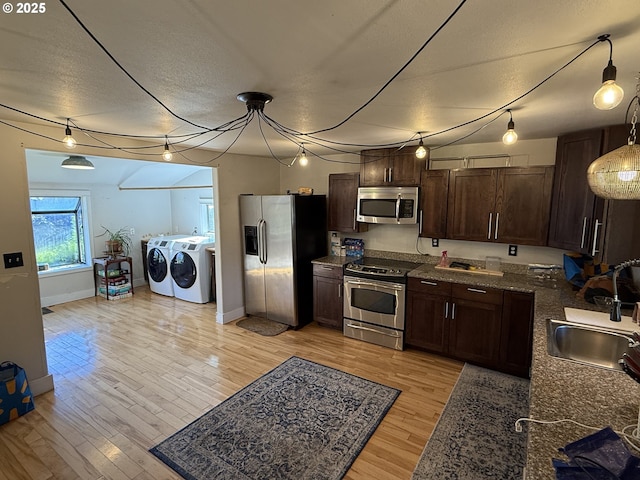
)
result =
(586, 344)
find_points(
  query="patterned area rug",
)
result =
(302, 420)
(475, 437)
(262, 326)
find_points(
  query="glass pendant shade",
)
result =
(616, 175)
(304, 161)
(76, 162)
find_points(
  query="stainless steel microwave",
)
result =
(395, 205)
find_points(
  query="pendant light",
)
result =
(510, 136)
(167, 155)
(616, 175)
(68, 139)
(421, 152)
(303, 160)
(77, 162)
(609, 95)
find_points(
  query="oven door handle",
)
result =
(368, 329)
(393, 286)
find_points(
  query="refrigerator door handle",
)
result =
(262, 243)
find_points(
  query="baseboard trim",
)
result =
(227, 317)
(41, 385)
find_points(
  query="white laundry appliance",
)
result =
(191, 268)
(158, 258)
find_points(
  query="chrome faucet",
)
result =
(616, 315)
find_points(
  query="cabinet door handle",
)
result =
(489, 227)
(390, 174)
(434, 284)
(495, 236)
(340, 285)
(476, 290)
(453, 311)
(354, 220)
(595, 238)
(584, 231)
(446, 310)
(384, 179)
(420, 224)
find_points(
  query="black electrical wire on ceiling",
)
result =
(113, 59)
(433, 35)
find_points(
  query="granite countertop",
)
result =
(560, 389)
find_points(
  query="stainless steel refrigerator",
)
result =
(281, 235)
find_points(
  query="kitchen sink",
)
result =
(587, 344)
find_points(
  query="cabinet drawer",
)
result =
(330, 271)
(434, 287)
(477, 294)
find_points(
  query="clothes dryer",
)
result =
(158, 258)
(191, 268)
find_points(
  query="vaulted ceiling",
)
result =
(321, 61)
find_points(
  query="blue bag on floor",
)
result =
(15, 394)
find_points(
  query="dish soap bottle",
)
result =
(444, 260)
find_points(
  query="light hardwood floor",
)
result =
(131, 372)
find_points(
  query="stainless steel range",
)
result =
(374, 300)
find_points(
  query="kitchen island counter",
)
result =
(560, 389)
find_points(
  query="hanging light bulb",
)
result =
(421, 152)
(166, 155)
(68, 139)
(609, 95)
(510, 136)
(616, 175)
(303, 160)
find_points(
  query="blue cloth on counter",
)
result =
(601, 456)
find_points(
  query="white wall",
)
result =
(111, 208)
(404, 238)
(22, 339)
(185, 202)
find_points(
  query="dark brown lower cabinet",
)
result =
(485, 326)
(516, 338)
(327, 295)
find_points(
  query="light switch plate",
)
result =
(12, 260)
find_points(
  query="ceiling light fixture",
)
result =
(609, 95)
(616, 175)
(68, 139)
(510, 136)
(421, 152)
(304, 161)
(77, 162)
(167, 155)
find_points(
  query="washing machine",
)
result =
(191, 268)
(158, 258)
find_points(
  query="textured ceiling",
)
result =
(321, 61)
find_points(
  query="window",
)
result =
(207, 221)
(60, 231)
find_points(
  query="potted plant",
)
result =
(118, 241)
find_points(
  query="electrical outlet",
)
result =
(513, 250)
(435, 242)
(132, 231)
(12, 260)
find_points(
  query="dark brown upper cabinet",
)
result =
(390, 166)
